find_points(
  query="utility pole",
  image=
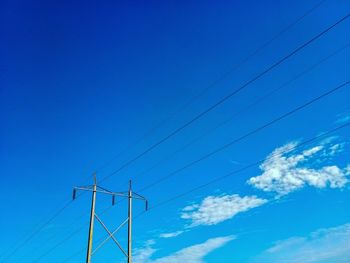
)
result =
(130, 195)
(130, 223)
(92, 220)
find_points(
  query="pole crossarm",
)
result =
(99, 190)
(85, 188)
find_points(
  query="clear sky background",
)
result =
(86, 86)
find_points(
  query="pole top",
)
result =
(95, 178)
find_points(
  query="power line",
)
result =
(252, 132)
(250, 106)
(58, 244)
(260, 161)
(196, 118)
(76, 253)
(222, 177)
(183, 107)
(217, 179)
(72, 234)
(61, 242)
(35, 232)
(319, 96)
(38, 230)
(81, 216)
(80, 251)
(226, 74)
(231, 174)
(227, 97)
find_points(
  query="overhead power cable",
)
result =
(64, 240)
(228, 96)
(254, 164)
(248, 107)
(231, 94)
(252, 132)
(261, 127)
(31, 236)
(238, 171)
(70, 257)
(329, 92)
(58, 244)
(225, 75)
(222, 77)
(37, 231)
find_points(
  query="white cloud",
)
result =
(283, 171)
(142, 255)
(172, 234)
(336, 148)
(192, 254)
(325, 245)
(215, 209)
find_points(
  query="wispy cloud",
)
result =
(171, 234)
(216, 209)
(324, 245)
(142, 255)
(191, 254)
(286, 171)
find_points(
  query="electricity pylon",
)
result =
(128, 194)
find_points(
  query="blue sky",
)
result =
(87, 86)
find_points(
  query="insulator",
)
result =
(74, 193)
